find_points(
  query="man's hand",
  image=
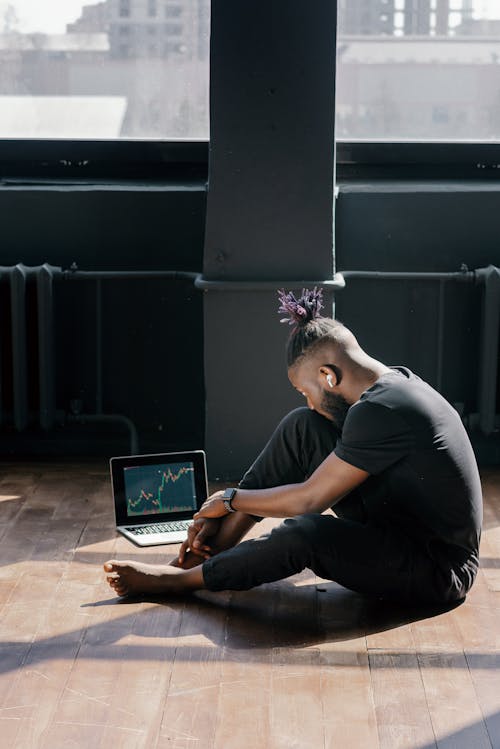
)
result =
(198, 532)
(220, 533)
(213, 507)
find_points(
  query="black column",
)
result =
(270, 205)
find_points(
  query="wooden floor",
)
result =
(301, 663)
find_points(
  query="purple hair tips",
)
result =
(302, 310)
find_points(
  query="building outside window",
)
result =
(173, 11)
(125, 8)
(418, 70)
(173, 29)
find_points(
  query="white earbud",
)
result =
(329, 380)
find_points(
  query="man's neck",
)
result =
(363, 377)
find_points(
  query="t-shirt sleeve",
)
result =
(374, 437)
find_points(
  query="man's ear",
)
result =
(328, 376)
(331, 374)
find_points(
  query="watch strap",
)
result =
(227, 498)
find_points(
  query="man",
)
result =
(376, 444)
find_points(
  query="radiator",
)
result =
(41, 278)
(489, 334)
(20, 283)
(16, 279)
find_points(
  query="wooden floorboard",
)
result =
(294, 664)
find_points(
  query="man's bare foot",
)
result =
(133, 578)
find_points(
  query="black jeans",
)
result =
(349, 549)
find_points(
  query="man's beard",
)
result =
(336, 406)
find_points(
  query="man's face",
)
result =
(320, 397)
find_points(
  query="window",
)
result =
(87, 70)
(174, 48)
(440, 115)
(124, 9)
(415, 70)
(173, 29)
(173, 11)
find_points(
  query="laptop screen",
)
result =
(161, 487)
(154, 488)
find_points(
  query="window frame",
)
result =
(418, 160)
(70, 160)
(66, 159)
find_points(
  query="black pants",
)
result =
(350, 549)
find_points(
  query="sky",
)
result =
(48, 16)
(51, 16)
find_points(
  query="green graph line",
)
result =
(167, 476)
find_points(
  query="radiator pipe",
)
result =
(98, 346)
(488, 354)
(19, 345)
(46, 367)
(109, 419)
(204, 284)
(103, 275)
(374, 275)
(200, 282)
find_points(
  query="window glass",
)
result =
(81, 69)
(413, 70)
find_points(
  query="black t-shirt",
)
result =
(424, 478)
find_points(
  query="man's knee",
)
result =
(308, 424)
(302, 530)
(298, 418)
(302, 416)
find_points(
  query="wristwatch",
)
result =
(227, 498)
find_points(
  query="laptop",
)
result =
(156, 496)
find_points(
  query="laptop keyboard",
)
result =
(172, 525)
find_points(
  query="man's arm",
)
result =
(231, 531)
(331, 481)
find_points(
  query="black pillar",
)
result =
(270, 206)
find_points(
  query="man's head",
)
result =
(321, 353)
(318, 375)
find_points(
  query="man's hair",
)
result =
(309, 328)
